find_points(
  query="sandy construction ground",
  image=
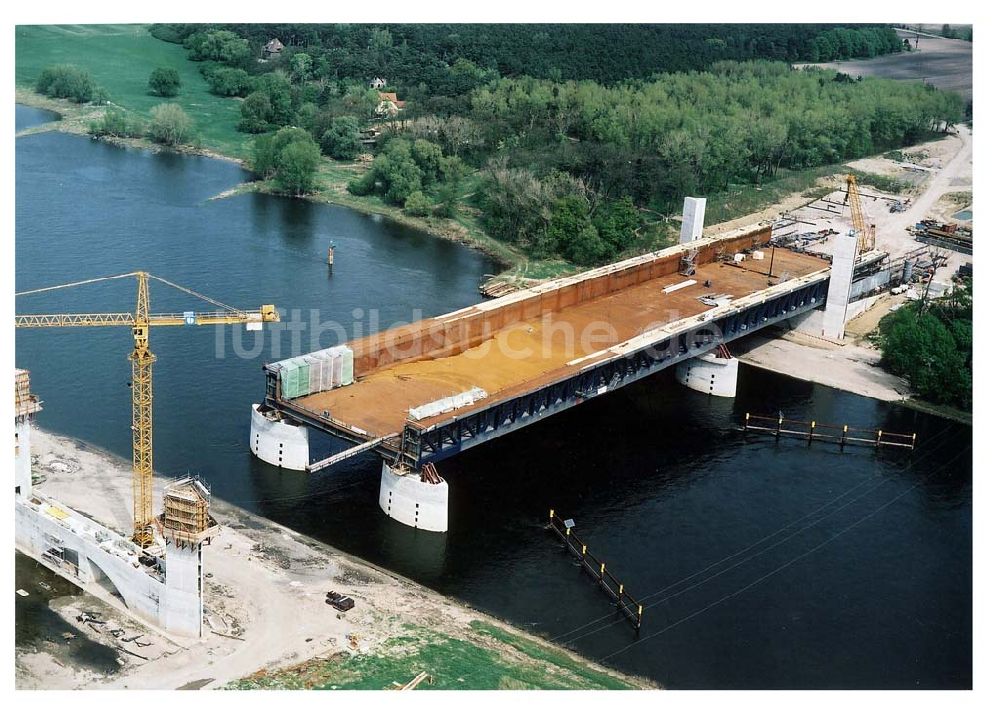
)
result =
(853, 368)
(953, 175)
(942, 176)
(265, 591)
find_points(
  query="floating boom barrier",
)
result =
(810, 430)
(596, 569)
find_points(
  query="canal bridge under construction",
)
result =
(426, 391)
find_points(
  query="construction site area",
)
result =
(193, 593)
(260, 579)
(923, 247)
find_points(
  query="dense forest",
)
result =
(560, 135)
(687, 133)
(420, 58)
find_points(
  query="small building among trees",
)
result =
(389, 105)
(272, 49)
(377, 83)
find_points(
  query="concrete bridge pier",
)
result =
(277, 440)
(183, 588)
(710, 373)
(415, 499)
(829, 322)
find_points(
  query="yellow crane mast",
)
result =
(142, 359)
(864, 231)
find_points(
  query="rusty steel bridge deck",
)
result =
(519, 344)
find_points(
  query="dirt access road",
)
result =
(955, 175)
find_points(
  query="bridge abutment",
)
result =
(411, 500)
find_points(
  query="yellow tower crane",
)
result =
(864, 231)
(142, 359)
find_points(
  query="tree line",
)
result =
(567, 130)
(168, 123)
(450, 59)
(681, 134)
(930, 344)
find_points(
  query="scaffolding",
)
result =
(186, 519)
(25, 402)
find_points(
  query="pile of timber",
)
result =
(495, 287)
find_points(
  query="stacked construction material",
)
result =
(315, 372)
(446, 405)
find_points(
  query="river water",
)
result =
(761, 565)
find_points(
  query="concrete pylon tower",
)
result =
(845, 251)
(186, 526)
(829, 322)
(25, 406)
(693, 219)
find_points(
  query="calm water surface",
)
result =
(761, 564)
(25, 117)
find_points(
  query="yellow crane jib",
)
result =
(862, 229)
(142, 360)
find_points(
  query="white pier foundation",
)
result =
(278, 441)
(406, 498)
(709, 374)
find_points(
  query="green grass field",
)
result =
(120, 58)
(489, 658)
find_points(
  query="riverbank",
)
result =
(267, 624)
(333, 178)
(76, 118)
(853, 367)
(845, 367)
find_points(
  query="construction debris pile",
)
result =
(495, 287)
(948, 236)
(116, 635)
(802, 241)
